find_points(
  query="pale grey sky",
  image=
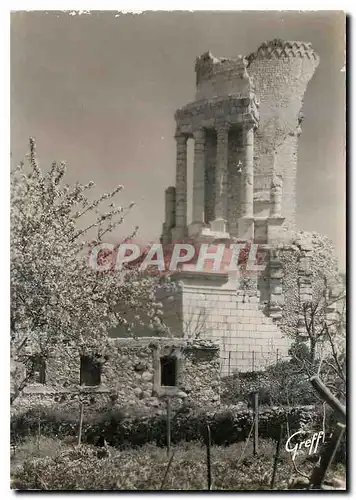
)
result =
(100, 92)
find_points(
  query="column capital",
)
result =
(180, 138)
(249, 124)
(199, 135)
(222, 128)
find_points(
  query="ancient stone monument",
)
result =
(245, 122)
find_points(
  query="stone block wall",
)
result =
(172, 301)
(213, 308)
(130, 375)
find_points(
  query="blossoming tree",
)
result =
(56, 296)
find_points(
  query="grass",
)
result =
(57, 465)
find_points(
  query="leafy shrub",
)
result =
(278, 384)
(53, 423)
(227, 426)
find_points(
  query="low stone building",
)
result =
(138, 373)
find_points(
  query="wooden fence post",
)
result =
(326, 458)
(167, 470)
(168, 426)
(276, 456)
(208, 456)
(80, 423)
(39, 431)
(255, 430)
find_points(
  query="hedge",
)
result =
(227, 426)
(276, 385)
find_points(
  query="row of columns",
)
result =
(221, 178)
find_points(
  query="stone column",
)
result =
(198, 219)
(221, 194)
(170, 219)
(247, 171)
(246, 222)
(170, 201)
(199, 176)
(181, 187)
(276, 197)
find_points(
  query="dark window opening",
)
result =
(90, 371)
(168, 371)
(36, 370)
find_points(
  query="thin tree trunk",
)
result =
(80, 423)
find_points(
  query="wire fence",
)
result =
(245, 361)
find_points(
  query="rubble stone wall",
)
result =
(130, 375)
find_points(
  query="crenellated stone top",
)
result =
(279, 49)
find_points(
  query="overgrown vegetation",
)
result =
(89, 468)
(227, 426)
(277, 385)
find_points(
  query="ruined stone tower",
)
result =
(245, 122)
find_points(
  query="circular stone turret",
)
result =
(280, 72)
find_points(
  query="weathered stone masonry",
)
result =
(211, 308)
(130, 374)
(245, 123)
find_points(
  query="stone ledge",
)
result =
(36, 389)
(169, 391)
(146, 341)
(211, 275)
(153, 342)
(208, 290)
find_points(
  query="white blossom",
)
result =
(56, 297)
